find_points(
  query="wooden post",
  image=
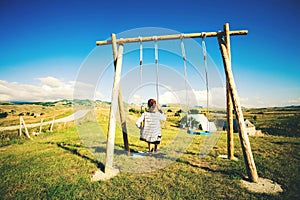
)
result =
(230, 143)
(51, 126)
(120, 100)
(245, 143)
(112, 116)
(41, 125)
(20, 129)
(24, 124)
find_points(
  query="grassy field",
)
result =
(58, 165)
(33, 112)
(276, 121)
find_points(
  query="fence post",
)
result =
(41, 125)
(51, 126)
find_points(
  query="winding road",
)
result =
(77, 115)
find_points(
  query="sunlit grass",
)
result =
(45, 113)
(59, 165)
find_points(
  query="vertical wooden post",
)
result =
(245, 143)
(51, 126)
(112, 116)
(20, 129)
(41, 125)
(230, 143)
(120, 100)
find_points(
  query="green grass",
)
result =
(58, 166)
(47, 113)
(276, 121)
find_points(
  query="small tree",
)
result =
(254, 117)
(178, 112)
(3, 115)
(133, 110)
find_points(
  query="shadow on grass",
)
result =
(213, 168)
(284, 143)
(132, 147)
(119, 151)
(72, 148)
(122, 161)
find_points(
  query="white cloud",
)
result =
(294, 101)
(48, 89)
(258, 102)
(252, 102)
(83, 90)
(168, 97)
(51, 89)
(136, 99)
(81, 84)
(100, 96)
(195, 97)
(51, 82)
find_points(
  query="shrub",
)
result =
(133, 110)
(3, 115)
(177, 113)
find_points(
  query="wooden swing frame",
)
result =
(232, 97)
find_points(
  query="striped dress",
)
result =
(150, 129)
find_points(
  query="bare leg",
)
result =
(149, 149)
(155, 148)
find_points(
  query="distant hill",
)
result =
(46, 103)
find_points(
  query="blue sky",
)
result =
(44, 43)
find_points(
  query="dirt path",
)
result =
(77, 115)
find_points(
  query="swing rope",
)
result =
(156, 62)
(185, 71)
(141, 61)
(206, 77)
(141, 66)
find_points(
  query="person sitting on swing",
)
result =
(150, 130)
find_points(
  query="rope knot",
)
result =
(182, 36)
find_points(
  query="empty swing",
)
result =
(189, 130)
(156, 71)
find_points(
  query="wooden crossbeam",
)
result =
(171, 37)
